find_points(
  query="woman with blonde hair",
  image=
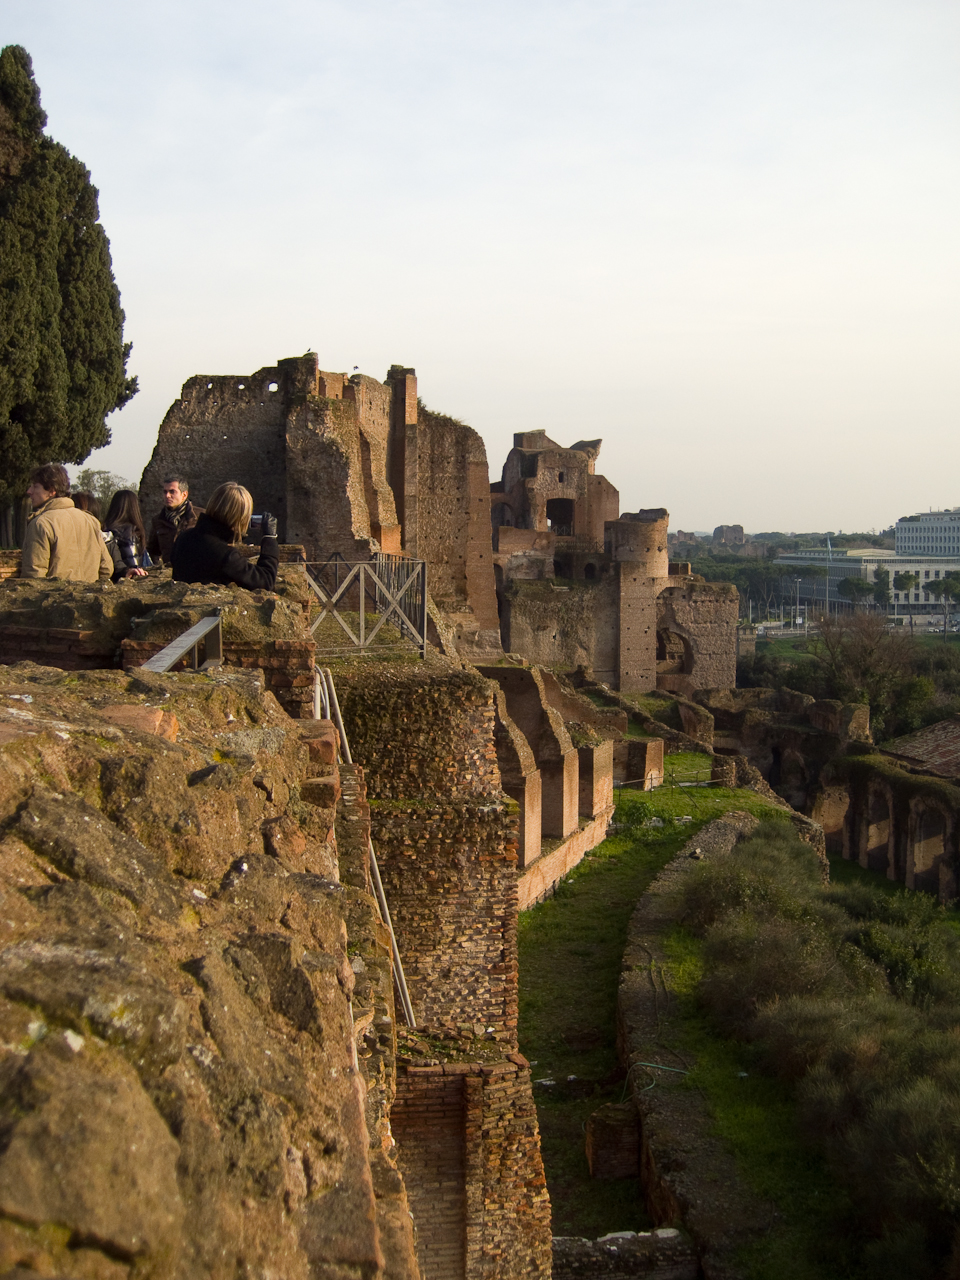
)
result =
(208, 552)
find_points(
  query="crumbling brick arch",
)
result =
(502, 514)
(927, 846)
(876, 830)
(674, 654)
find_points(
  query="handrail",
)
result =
(325, 695)
(208, 631)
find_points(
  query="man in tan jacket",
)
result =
(61, 540)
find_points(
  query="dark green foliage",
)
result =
(851, 994)
(63, 367)
(909, 683)
(855, 589)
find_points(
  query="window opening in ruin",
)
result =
(528, 466)
(674, 657)
(209, 386)
(560, 476)
(589, 570)
(272, 387)
(240, 386)
(560, 516)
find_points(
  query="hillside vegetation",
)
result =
(850, 996)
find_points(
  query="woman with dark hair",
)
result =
(88, 502)
(125, 523)
(208, 552)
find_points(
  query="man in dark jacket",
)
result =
(178, 513)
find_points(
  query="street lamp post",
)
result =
(796, 616)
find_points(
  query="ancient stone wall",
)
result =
(890, 819)
(568, 625)
(638, 545)
(705, 616)
(662, 1254)
(228, 428)
(466, 1137)
(85, 626)
(453, 528)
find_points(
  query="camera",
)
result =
(256, 523)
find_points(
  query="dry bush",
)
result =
(752, 960)
(769, 872)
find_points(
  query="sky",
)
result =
(719, 234)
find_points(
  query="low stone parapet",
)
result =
(664, 1254)
(539, 879)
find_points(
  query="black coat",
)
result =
(206, 553)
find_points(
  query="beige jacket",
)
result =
(64, 542)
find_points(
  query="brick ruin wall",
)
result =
(446, 842)
(88, 626)
(453, 526)
(310, 446)
(226, 428)
(330, 476)
(572, 625)
(466, 1140)
(705, 614)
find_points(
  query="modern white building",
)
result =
(930, 533)
(864, 563)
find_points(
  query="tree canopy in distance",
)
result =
(62, 355)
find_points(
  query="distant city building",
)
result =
(864, 564)
(930, 533)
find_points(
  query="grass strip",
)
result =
(571, 947)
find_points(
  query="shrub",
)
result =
(852, 995)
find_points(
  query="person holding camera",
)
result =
(208, 552)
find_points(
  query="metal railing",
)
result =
(208, 632)
(393, 587)
(326, 706)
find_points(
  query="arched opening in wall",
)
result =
(589, 572)
(876, 844)
(776, 767)
(560, 516)
(674, 655)
(560, 569)
(830, 809)
(501, 515)
(929, 848)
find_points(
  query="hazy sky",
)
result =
(720, 235)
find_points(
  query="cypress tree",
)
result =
(62, 355)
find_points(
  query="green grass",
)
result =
(793, 648)
(571, 947)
